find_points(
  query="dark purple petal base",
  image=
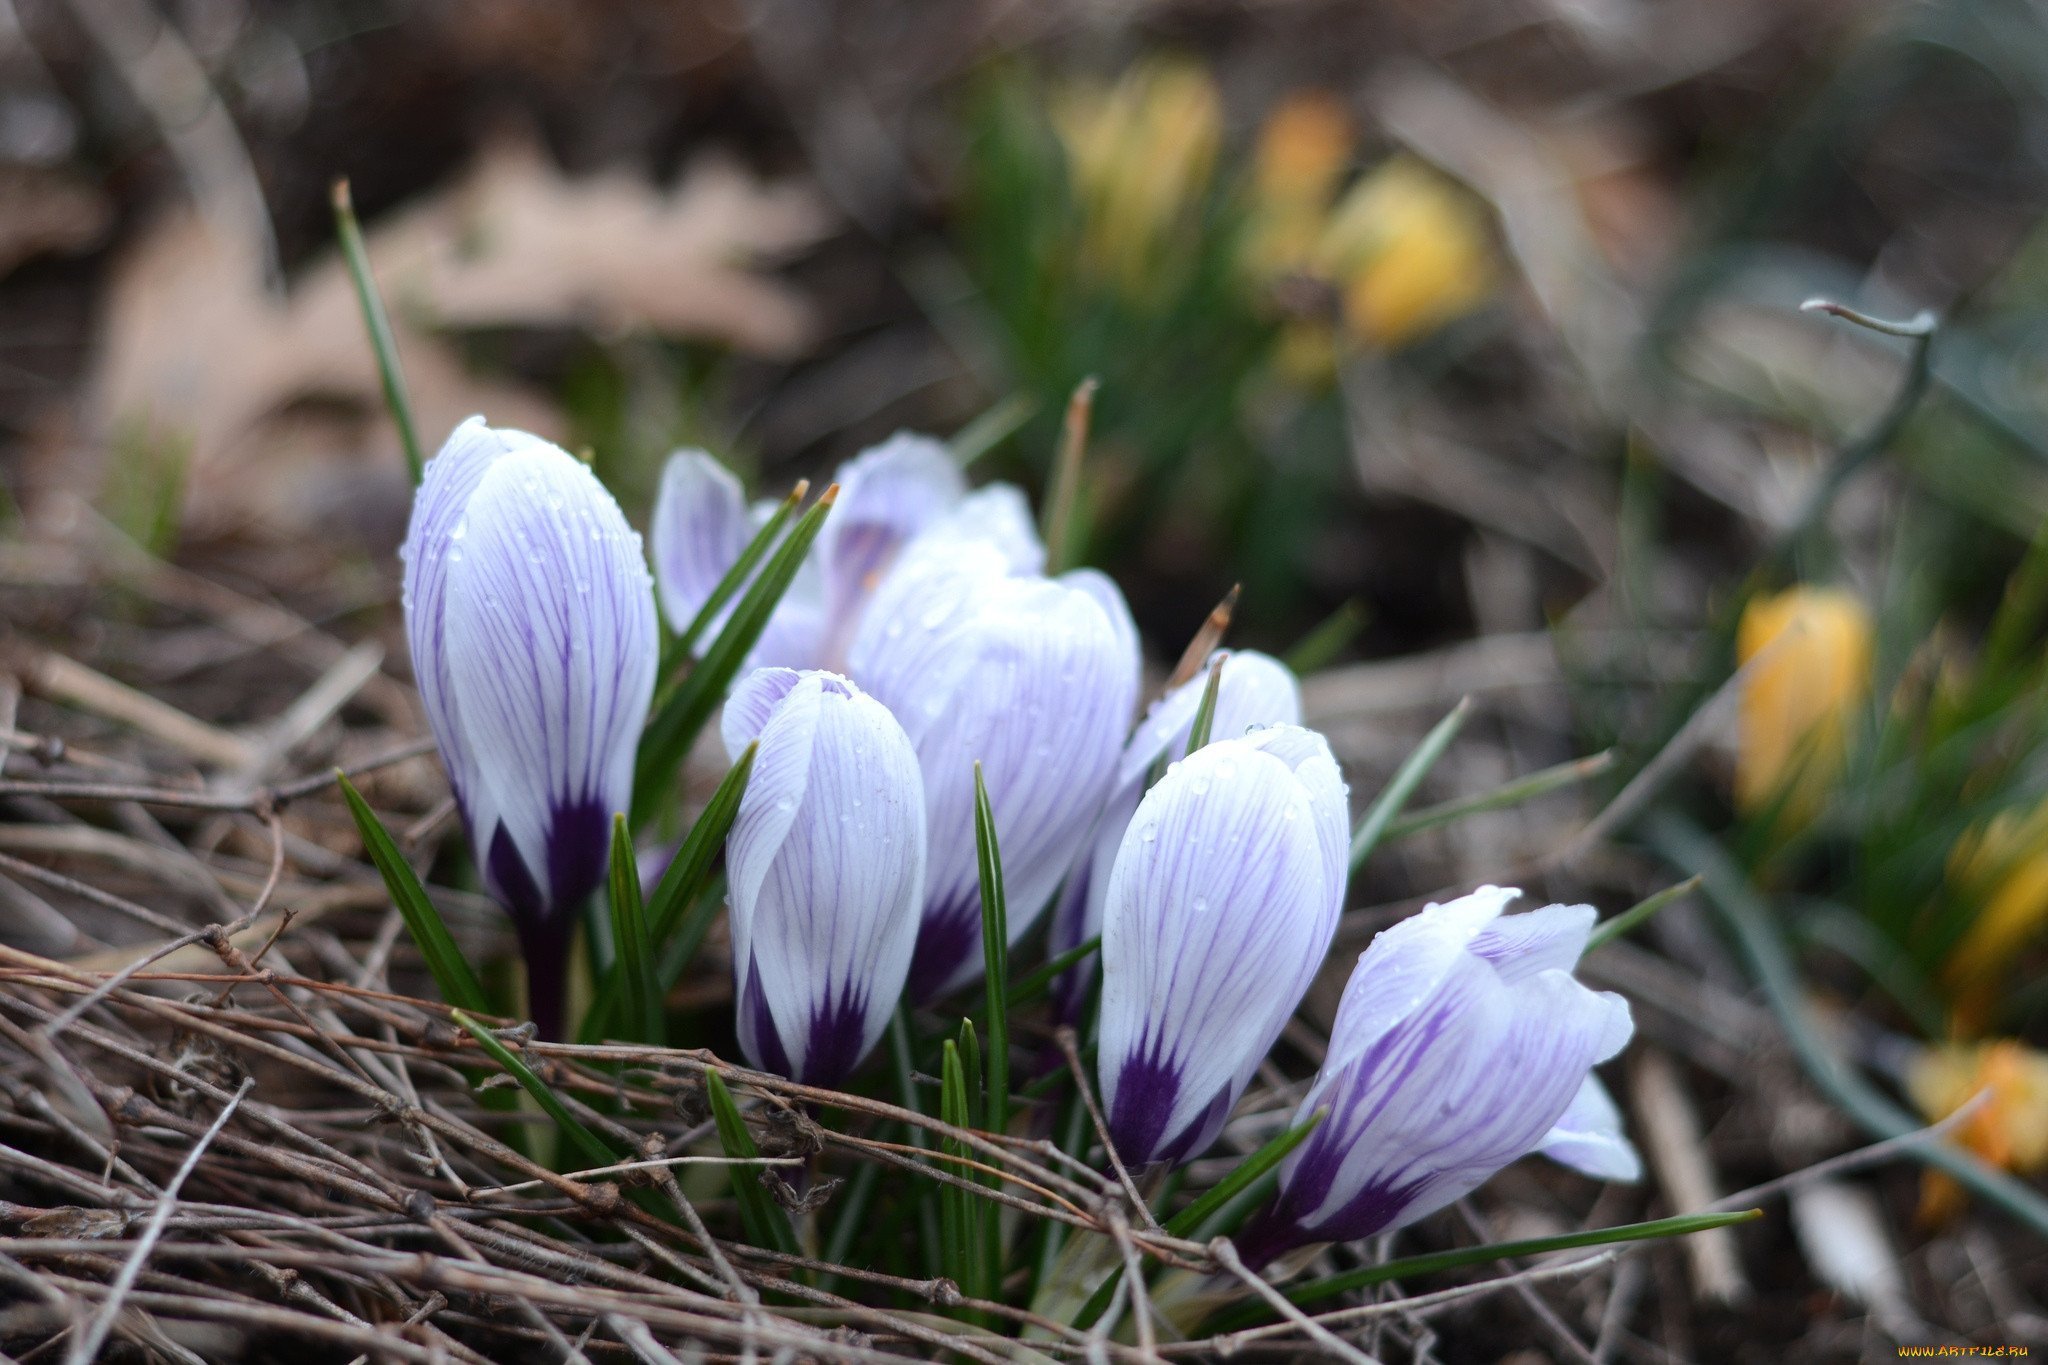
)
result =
(579, 844)
(1277, 1228)
(836, 1031)
(951, 934)
(1146, 1089)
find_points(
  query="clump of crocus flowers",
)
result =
(922, 638)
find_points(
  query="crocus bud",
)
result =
(1220, 906)
(1033, 678)
(1253, 689)
(531, 620)
(888, 495)
(699, 528)
(1807, 651)
(826, 865)
(1462, 1043)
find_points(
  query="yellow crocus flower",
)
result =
(1811, 651)
(2001, 868)
(2009, 1130)
(1302, 150)
(1409, 251)
(1140, 153)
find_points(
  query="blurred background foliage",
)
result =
(1464, 335)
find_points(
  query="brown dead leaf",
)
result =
(516, 243)
(276, 403)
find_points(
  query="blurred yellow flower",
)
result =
(1409, 250)
(1303, 148)
(2000, 869)
(2009, 1129)
(1812, 654)
(1140, 152)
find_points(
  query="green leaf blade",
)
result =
(633, 978)
(1205, 710)
(765, 1223)
(683, 881)
(378, 324)
(594, 1148)
(742, 568)
(1242, 1176)
(680, 714)
(1408, 1267)
(1039, 980)
(1539, 783)
(995, 951)
(1185, 1223)
(1405, 780)
(452, 972)
(1607, 930)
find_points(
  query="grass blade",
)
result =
(379, 326)
(674, 957)
(1410, 1266)
(680, 912)
(765, 1222)
(970, 1072)
(452, 972)
(1039, 980)
(1609, 929)
(680, 714)
(742, 568)
(1413, 769)
(632, 977)
(995, 956)
(992, 428)
(593, 1148)
(1539, 783)
(928, 1212)
(683, 883)
(1183, 1224)
(1321, 646)
(1062, 496)
(1205, 710)
(959, 1211)
(1242, 1176)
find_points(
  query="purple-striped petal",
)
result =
(1588, 1137)
(1451, 1056)
(887, 494)
(1307, 755)
(451, 476)
(1550, 939)
(550, 639)
(1217, 915)
(699, 528)
(1110, 598)
(1030, 678)
(825, 864)
(1255, 690)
